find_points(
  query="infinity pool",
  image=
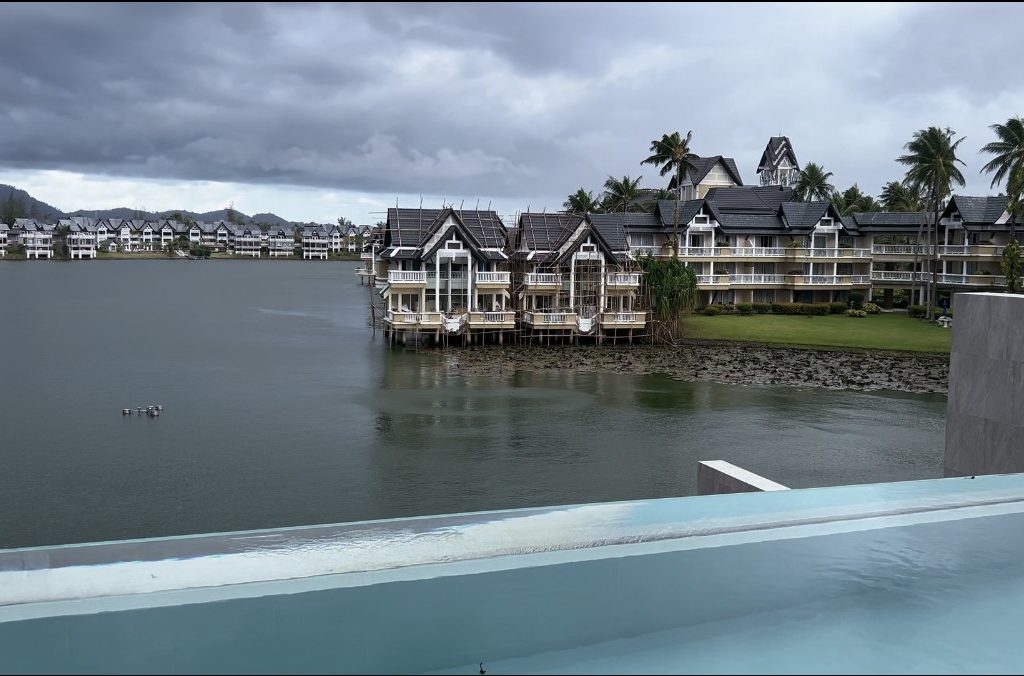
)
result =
(918, 576)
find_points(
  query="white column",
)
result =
(572, 281)
(470, 271)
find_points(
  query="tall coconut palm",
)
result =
(581, 202)
(1007, 165)
(898, 196)
(853, 200)
(672, 153)
(619, 193)
(812, 185)
(931, 166)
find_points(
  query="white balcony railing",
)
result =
(757, 279)
(901, 249)
(831, 280)
(542, 318)
(624, 279)
(407, 276)
(699, 251)
(543, 279)
(757, 251)
(493, 317)
(492, 278)
(712, 279)
(645, 250)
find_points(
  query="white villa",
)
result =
(81, 238)
(3, 239)
(335, 236)
(574, 277)
(314, 243)
(281, 241)
(247, 240)
(447, 274)
(36, 237)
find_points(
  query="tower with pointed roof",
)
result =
(778, 165)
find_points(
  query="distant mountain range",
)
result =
(30, 207)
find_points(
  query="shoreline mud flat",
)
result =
(725, 362)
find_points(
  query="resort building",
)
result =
(352, 236)
(755, 245)
(104, 230)
(3, 238)
(170, 231)
(968, 255)
(281, 241)
(447, 274)
(573, 276)
(247, 240)
(314, 243)
(35, 237)
(81, 238)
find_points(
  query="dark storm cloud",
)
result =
(502, 100)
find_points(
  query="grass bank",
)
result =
(884, 331)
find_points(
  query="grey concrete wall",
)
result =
(985, 409)
(719, 476)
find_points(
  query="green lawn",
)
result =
(883, 331)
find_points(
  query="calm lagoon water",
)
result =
(281, 408)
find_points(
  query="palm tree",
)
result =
(581, 202)
(898, 196)
(618, 193)
(672, 153)
(1007, 165)
(931, 166)
(813, 185)
(853, 200)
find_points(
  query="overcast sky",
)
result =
(318, 111)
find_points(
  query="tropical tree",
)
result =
(1011, 266)
(619, 193)
(853, 200)
(581, 202)
(812, 184)
(931, 163)
(1007, 165)
(672, 153)
(671, 288)
(898, 196)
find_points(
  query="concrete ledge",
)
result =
(718, 476)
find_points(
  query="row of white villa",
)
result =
(86, 236)
(452, 271)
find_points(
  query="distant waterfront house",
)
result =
(574, 277)
(314, 243)
(170, 231)
(104, 231)
(3, 238)
(247, 240)
(335, 235)
(81, 238)
(281, 241)
(352, 236)
(35, 237)
(223, 235)
(446, 271)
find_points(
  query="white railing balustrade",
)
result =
(492, 278)
(757, 279)
(757, 251)
(696, 251)
(411, 276)
(624, 279)
(542, 278)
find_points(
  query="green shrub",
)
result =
(745, 308)
(856, 313)
(713, 310)
(856, 299)
(837, 308)
(871, 308)
(779, 308)
(762, 308)
(917, 311)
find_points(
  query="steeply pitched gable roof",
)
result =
(778, 147)
(978, 211)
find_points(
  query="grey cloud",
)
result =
(514, 102)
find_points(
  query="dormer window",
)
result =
(588, 247)
(826, 222)
(700, 220)
(453, 244)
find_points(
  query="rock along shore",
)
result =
(722, 362)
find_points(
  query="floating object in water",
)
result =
(126, 411)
